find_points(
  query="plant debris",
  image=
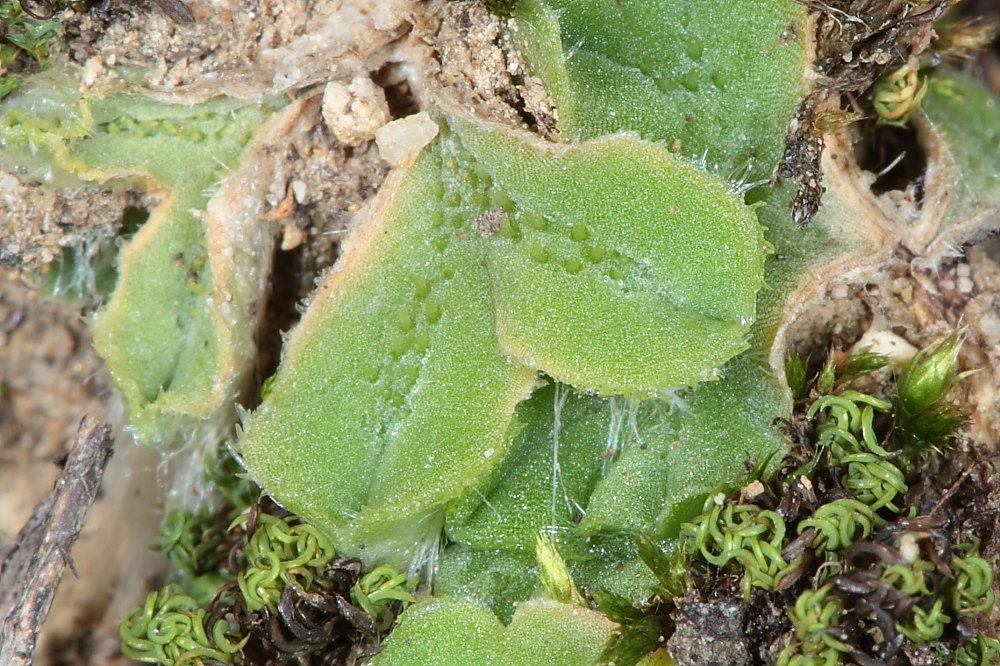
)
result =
(42, 549)
(256, 585)
(859, 546)
(857, 42)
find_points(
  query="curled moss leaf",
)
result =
(971, 590)
(839, 523)
(169, 629)
(848, 432)
(979, 650)
(899, 93)
(816, 616)
(925, 625)
(379, 588)
(739, 534)
(281, 553)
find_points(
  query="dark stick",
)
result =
(176, 10)
(43, 545)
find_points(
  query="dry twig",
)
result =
(42, 548)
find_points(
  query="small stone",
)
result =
(710, 634)
(356, 111)
(292, 237)
(91, 73)
(908, 547)
(400, 141)
(753, 490)
(888, 344)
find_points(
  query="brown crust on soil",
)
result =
(856, 41)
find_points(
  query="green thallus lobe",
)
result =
(612, 265)
(177, 332)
